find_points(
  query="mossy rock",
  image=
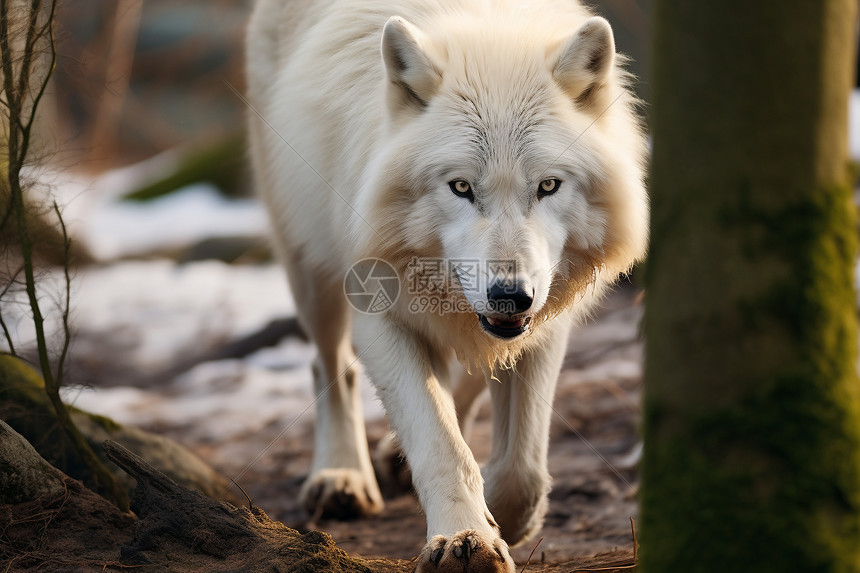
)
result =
(220, 162)
(24, 475)
(26, 408)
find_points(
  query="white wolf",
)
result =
(445, 130)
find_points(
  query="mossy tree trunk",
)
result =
(752, 401)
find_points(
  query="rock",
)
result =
(26, 408)
(173, 459)
(178, 525)
(50, 522)
(24, 474)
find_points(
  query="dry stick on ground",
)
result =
(635, 542)
(21, 54)
(530, 555)
(614, 568)
(618, 567)
(248, 497)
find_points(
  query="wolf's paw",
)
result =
(465, 551)
(341, 493)
(391, 467)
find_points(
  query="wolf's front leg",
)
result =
(517, 478)
(461, 532)
(341, 483)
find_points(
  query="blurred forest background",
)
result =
(140, 139)
(135, 78)
(183, 325)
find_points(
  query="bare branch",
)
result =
(18, 146)
(7, 70)
(49, 28)
(29, 48)
(66, 304)
(7, 334)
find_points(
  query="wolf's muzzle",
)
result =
(509, 297)
(507, 302)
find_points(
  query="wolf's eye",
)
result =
(548, 187)
(462, 189)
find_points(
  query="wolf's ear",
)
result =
(584, 63)
(411, 69)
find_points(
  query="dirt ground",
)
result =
(592, 456)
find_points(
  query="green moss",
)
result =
(770, 482)
(220, 163)
(27, 409)
(102, 421)
(15, 373)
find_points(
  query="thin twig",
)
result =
(616, 568)
(635, 543)
(49, 27)
(12, 278)
(53, 514)
(17, 155)
(248, 497)
(7, 334)
(18, 146)
(619, 567)
(66, 305)
(530, 555)
(29, 48)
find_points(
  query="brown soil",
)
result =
(587, 526)
(593, 495)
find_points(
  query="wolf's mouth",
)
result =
(505, 328)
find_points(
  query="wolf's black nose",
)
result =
(509, 297)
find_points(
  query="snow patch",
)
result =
(121, 228)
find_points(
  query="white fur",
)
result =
(363, 112)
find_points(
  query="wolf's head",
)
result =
(514, 158)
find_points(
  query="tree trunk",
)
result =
(752, 401)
